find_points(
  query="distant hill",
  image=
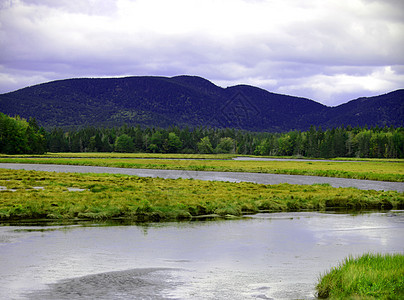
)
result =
(189, 101)
(387, 109)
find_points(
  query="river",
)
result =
(265, 256)
(219, 176)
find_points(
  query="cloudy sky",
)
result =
(330, 51)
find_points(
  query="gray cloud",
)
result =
(328, 51)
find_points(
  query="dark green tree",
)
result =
(156, 142)
(174, 143)
(124, 143)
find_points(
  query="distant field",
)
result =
(50, 195)
(371, 169)
(126, 155)
(187, 156)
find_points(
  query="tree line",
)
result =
(20, 136)
(387, 142)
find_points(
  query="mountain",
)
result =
(189, 101)
(387, 109)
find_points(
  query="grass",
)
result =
(186, 156)
(370, 169)
(367, 277)
(109, 196)
(123, 155)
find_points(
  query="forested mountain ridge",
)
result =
(189, 101)
(387, 109)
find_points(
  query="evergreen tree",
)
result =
(174, 143)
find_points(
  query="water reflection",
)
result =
(264, 256)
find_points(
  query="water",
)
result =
(217, 176)
(266, 256)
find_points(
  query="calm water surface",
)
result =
(267, 256)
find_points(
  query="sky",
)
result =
(330, 51)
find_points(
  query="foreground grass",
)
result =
(106, 196)
(371, 170)
(369, 276)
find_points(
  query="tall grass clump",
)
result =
(369, 276)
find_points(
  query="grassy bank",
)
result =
(32, 194)
(123, 155)
(187, 156)
(367, 277)
(371, 170)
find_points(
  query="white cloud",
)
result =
(331, 89)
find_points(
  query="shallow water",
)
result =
(217, 176)
(266, 256)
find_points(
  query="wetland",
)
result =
(108, 227)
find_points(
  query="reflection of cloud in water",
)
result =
(365, 229)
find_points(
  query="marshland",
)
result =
(105, 196)
(62, 201)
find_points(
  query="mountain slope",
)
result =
(145, 100)
(279, 112)
(188, 101)
(387, 109)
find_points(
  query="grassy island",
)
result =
(371, 276)
(49, 195)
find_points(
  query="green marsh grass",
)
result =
(108, 196)
(371, 276)
(187, 156)
(371, 170)
(123, 155)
